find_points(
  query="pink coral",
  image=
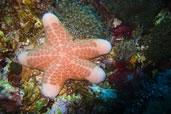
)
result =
(122, 31)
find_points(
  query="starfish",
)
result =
(62, 58)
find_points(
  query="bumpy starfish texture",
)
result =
(62, 58)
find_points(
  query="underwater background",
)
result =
(138, 68)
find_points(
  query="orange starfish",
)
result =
(61, 58)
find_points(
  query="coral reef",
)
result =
(138, 69)
(141, 90)
(60, 107)
(124, 50)
(10, 97)
(81, 98)
(80, 19)
(104, 95)
(33, 100)
(135, 11)
(159, 41)
(122, 31)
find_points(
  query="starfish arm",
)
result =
(37, 58)
(54, 30)
(23, 58)
(80, 69)
(87, 49)
(53, 80)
